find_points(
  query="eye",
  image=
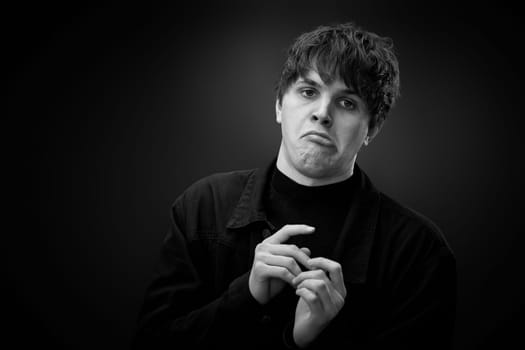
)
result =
(348, 104)
(308, 92)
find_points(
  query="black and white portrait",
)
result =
(267, 175)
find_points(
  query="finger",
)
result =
(269, 271)
(288, 231)
(306, 251)
(312, 274)
(319, 287)
(311, 299)
(335, 272)
(282, 261)
(329, 301)
(288, 250)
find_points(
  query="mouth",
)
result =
(319, 138)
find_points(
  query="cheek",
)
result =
(290, 119)
(353, 135)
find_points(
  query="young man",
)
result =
(306, 253)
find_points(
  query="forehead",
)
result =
(312, 77)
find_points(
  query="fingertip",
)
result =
(306, 228)
(310, 263)
(306, 251)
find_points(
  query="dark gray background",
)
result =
(112, 112)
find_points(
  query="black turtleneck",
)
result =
(324, 207)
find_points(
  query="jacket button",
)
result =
(266, 233)
(266, 319)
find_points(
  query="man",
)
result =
(306, 253)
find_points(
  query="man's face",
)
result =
(323, 128)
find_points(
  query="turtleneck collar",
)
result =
(337, 192)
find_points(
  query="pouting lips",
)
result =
(320, 138)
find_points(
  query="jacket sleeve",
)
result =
(418, 312)
(423, 307)
(179, 309)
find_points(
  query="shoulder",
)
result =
(223, 187)
(407, 229)
(209, 201)
(219, 184)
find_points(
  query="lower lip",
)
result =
(320, 140)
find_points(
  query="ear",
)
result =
(278, 111)
(372, 133)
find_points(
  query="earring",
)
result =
(367, 140)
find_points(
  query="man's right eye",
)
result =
(308, 93)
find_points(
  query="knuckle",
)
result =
(341, 302)
(258, 265)
(283, 273)
(320, 285)
(264, 257)
(288, 276)
(319, 274)
(262, 247)
(313, 275)
(291, 263)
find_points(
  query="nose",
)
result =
(322, 113)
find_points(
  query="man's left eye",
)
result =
(348, 104)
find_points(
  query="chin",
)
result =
(317, 166)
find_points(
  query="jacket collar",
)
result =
(354, 245)
(250, 207)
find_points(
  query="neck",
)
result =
(286, 167)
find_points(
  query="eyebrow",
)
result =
(317, 85)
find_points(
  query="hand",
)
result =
(322, 295)
(276, 264)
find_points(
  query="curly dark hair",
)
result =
(365, 61)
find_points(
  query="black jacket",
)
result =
(399, 272)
